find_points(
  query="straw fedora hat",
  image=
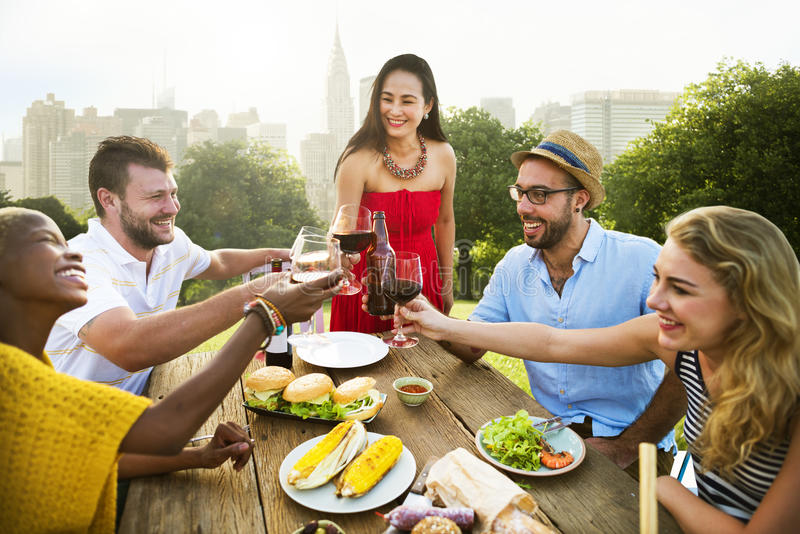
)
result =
(575, 155)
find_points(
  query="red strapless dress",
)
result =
(410, 216)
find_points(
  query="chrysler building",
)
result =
(319, 151)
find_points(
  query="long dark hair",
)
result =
(371, 134)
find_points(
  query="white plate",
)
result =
(345, 350)
(324, 499)
(562, 440)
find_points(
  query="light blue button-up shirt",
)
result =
(612, 276)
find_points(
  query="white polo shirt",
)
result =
(118, 279)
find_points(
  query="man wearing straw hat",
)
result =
(571, 273)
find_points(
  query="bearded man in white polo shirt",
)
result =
(136, 260)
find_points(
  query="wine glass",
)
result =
(314, 258)
(401, 285)
(353, 228)
(306, 230)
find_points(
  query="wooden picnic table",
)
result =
(595, 497)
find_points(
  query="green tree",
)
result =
(485, 216)
(483, 147)
(5, 198)
(237, 196)
(734, 139)
(55, 209)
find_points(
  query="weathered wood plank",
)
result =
(597, 495)
(196, 500)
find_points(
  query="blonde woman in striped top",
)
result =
(727, 320)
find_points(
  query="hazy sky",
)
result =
(232, 55)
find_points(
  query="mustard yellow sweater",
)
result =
(59, 441)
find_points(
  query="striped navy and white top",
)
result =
(752, 479)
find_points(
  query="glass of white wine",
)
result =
(306, 231)
(314, 257)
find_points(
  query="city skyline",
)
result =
(274, 56)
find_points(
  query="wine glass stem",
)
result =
(311, 326)
(400, 337)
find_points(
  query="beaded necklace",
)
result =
(406, 174)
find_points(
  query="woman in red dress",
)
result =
(399, 162)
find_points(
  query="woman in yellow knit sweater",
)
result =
(60, 437)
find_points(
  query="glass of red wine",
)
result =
(314, 258)
(402, 285)
(353, 228)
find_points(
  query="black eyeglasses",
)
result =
(536, 196)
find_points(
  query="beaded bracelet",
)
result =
(269, 324)
(277, 318)
(275, 310)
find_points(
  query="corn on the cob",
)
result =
(369, 467)
(329, 456)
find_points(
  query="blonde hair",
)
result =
(759, 380)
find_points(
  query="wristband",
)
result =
(278, 322)
(275, 311)
(269, 324)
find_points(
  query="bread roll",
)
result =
(353, 389)
(308, 387)
(270, 377)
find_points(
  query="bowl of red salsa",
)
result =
(412, 390)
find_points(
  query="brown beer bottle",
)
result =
(380, 257)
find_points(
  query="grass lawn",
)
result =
(510, 367)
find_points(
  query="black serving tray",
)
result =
(284, 415)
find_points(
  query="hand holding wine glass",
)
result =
(314, 258)
(353, 228)
(401, 285)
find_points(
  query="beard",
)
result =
(139, 231)
(555, 230)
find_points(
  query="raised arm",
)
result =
(135, 343)
(165, 427)
(229, 262)
(634, 341)
(351, 179)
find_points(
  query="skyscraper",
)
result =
(319, 152)
(612, 119)
(12, 149)
(69, 169)
(166, 127)
(44, 121)
(553, 116)
(318, 162)
(502, 108)
(243, 119)
(338, 102)
(11, 179)
(274, 134)
(203, 127)
(70, 155)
